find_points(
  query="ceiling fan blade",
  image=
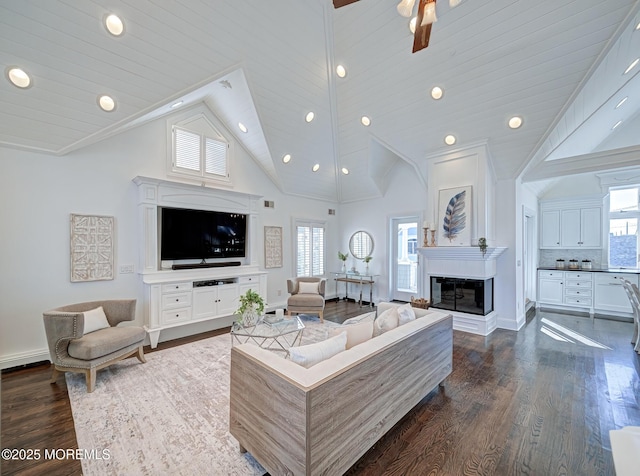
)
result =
(342, 3)
(423, 33)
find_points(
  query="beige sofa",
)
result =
(321, 420)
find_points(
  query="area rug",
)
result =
(169, 416)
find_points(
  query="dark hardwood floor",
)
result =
(516, 403)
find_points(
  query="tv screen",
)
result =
(201, 234)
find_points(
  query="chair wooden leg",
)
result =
(321, 314)
(140, 355)
(54, 375)
(91, 380)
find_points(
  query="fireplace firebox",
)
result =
(472, 296)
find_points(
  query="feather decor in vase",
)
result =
(455, 218)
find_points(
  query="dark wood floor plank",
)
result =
(516, 403)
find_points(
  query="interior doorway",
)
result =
(529, 258)
(405, 275)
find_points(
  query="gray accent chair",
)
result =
(73, 351)
(299, 303)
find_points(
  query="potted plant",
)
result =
(482, 243)
(251, 308)
(366, 260)
(343, 257)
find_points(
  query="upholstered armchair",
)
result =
(307, 296)
(73, 350)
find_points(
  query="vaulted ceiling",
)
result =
(557, 64)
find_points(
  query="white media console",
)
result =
(174, 298)
(178, 298)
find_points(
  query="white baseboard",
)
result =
(24, 358)
(512, 325)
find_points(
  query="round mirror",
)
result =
(361, 244)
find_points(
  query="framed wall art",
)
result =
(273, 247)
(92, 248)
(454, 216)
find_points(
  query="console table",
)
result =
(360, 279)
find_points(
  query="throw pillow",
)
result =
(311, 354)
(385, 322)
(308, 288)
(357, 333)
(368, 316)
(405, 314)
(94, 320)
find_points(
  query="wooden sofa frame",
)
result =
(325, 427)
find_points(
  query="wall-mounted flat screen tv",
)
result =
(201, 234)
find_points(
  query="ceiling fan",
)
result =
(426, 17)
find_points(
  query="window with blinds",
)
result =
(197, 154)
(310, 255)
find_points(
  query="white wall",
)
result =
(40, 191)
(405, 196)
(573, 186)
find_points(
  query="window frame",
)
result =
(311, 224)
(198, 121)
(623, 214)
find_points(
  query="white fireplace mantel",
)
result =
(466, 262)
(461, 261)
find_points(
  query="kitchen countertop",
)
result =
(593, 270)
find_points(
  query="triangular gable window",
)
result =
(199, 150)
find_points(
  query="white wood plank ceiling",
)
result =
(555, 63)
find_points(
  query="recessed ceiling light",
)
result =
(316, 167)
(616, 125)
(18, 77)
(450, 139)
(340, 71)
(515, 122)
(287, 158)
(412, 25)
(631, 66)
(176, 104)
(365, 121)
(114, 25)
(242, 127)
(638, 26)
(106, 103)
(437, 92)
(622, 101)
(345, 171)
(309, 117)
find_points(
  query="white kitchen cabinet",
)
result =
(550, 287)
(578, 289)
(609, 293)
(571, 224)
(550, 229)
(581, 228)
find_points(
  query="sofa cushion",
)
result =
(308, 288)
(306, 300)
(105, 341)
(311, 354)
(405, 314)
(386, 321)
(94, 320)
(367, 316)
(357, 333)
